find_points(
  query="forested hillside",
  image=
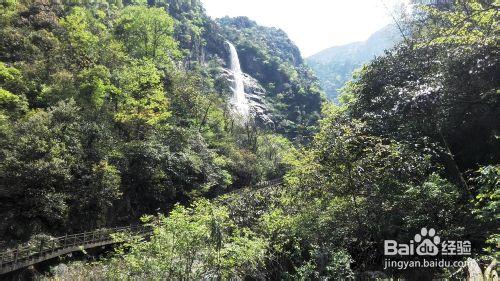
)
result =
(115, 112)
(335, 66)
(268, 55)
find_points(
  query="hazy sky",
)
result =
(313, 25)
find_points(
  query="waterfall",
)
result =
(239, 99)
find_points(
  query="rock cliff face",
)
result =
(260, 109)
(283, 91)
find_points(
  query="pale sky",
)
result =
(313, 25)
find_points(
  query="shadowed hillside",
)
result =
(334, 66)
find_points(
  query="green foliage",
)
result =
(192, 243)
(351, 190)
(396, 152)
(12, 100)
(103, 189)
(486, 205)
(487, 199)
(10, 79)
(147, 33)
(11, 104)
(433, 203)
(466, 23)
(150, 132)
(268, 55)
(102, 121)
(337, 267)
(95, 86)
(7, 10)
(142, 100)
(421, 95)
(44, 170)
(271, 153)
(82, 35)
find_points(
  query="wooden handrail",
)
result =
(24, 256)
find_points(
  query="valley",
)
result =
(242, 159)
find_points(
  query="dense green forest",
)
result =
(114, 112)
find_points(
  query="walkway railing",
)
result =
(24, 256)
(268, 183)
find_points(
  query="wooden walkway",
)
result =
(268, 183)
(24, 256)
(28, 255)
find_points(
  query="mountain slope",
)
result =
(334, 66)
(268, 55)
(124, 106)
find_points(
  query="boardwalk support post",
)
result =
(41, 248)
(53, 245)
(17, 254)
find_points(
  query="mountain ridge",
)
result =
(335, 65)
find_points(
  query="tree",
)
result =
(142, 102)
(486, 204)
(48, 173)
(95, 87)
(12, 105)
(351, 190)
(192, 243)
(422, 95)
(147, 33)
(473, 22)
(82, 36)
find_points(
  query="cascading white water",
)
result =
(239, 99)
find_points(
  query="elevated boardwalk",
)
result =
(28, 255)
(24, 256)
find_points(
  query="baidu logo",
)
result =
(427, 243)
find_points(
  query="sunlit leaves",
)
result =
(11, 104)
(487, 200)
(148, 33)
(467, 23)
(192, 243)
(142, 100)
(95, 86)
(82, 35)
